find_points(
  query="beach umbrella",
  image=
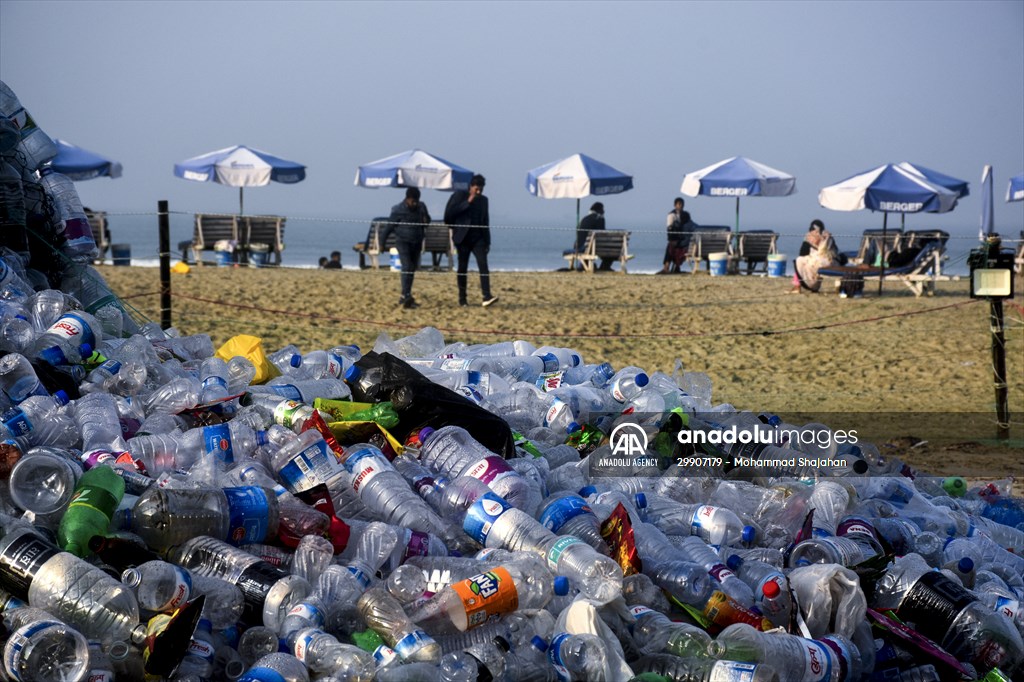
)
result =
(894, 188)
(738, 177)
(82, 164)
(987, 227)
(240, 167)
(414, 168)
(1015, 190)
(576, 177)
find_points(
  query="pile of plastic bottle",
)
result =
(169, 512)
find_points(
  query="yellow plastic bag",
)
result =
(251, 348)
(181, 268)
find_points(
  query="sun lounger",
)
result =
(755, 246)
(871, 246)
(437, 240)
(919, 275)
(602, 245)
(708, 239)
(210, 229)
(100, 232)
(263, 229)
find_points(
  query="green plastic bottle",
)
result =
(97, 495)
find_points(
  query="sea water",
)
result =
(514, 248)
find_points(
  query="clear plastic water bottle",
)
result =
(70, 215)
(322, 653)
(579, 657)
(255, 643)
(770, 585)
(76, 592)
(948, 614)
(159, 586)
(566, 513)
(289, 413)
(653, 633)
(305, 390)
(213, 378)
(714, 524)
(35, 147)
(98, 421)
(628, 383)
(168, 517)
(43, 649)
(694, 549)
(16, 333)
(829, 659)
(387, 618)
(269, 591)
(453, 452)
(694, 670)
(18, 378)
(283, 667)
(42, 482)
(86, 284)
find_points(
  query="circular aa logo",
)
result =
(629, 440)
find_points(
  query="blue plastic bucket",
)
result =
(776, 265)
(121, 254)
(718, 263)
(395, 260)
(259, 254)
(225, 258)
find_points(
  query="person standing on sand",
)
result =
(468, 218)
(677, 223)
(408, 220)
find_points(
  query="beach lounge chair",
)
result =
(437, 240)
(871, 246)
(919, 275)
(210, 229)
(372, 248)
(100, 232)
(708, 239)
(604, 245)
(755, 247)
(262, 229)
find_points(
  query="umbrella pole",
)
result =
(241, 211)
(885, 225)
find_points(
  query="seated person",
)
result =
(335, 262)
(591, 222)
(820, 253)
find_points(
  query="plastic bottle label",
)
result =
(487, 595)
(555, 656)
(703, 525)
(384, 655)
(616, 391)
(21, 638)
(561, 544)
(289, 412)
(490, 470)
(217, 440)
(96, 498)
(307, 612)
(101, 676)
(73, 328)
(182, 590)
(454, 364)
(21, 560)
(563, 509)
(1008, 607)
(549, 381)
(301, 646)
(855, 526)
(312, 467)
(639, 612)
(214, 382)
(720, 572)
(732, 671)
(199, 648)
(364, 465)
(110, 366)
(556, 406)
(248, 514)
(335, 366)
(817, 661)
(287, 391)
(412, 642)
(417, 544)
(16, 422)
(262, 675)
(482, 514)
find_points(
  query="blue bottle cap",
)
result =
(539, 643)
(61, 398)
(748, 534)
(561, 585)
(85, 350)
(205, 624)
(425, 433)
(733, 562)
(642, 380)
(587, 491)
(261, 438)
(573, 427)
(576, 360)
(641, 500)
(352, 373)
(965, 565)
(295, 360)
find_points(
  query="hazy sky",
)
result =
(822, 90)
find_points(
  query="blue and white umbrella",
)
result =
(1015, 190)
(576, 177)
(738, 177)
(414, 168)
(81, 164)
(240, 167)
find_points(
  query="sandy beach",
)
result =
(910, 369)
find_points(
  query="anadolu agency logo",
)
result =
(628, 440)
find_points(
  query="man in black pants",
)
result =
(467, 216)
(407, 220)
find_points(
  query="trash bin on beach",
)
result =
(121, 254)
(258, 255)
(718, 263)
(225, 252)
(776, 265)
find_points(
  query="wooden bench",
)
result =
(437, 241)
(602, 245)
(708, 239)
(100, 232)
(755, 246)
(871, 245)
(263, 229)
(212, 228)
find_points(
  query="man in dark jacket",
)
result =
(467, 215)
(592, 221)
(407, 221)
